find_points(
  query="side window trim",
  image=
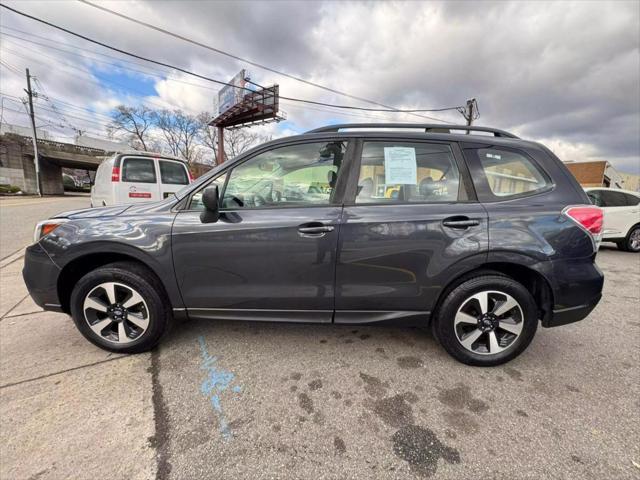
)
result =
(354, 173)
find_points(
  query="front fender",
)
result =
(146, 239)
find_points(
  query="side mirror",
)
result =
(210, 199)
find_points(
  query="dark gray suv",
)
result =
(470, 230)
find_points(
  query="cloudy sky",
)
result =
(563, 73)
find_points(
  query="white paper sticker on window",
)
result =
(400, 166)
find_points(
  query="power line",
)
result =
(157, 73)
(153, 72)
(213, 80)
(255, 64)
(161, 75)
(76, 70)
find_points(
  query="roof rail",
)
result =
(428, 128)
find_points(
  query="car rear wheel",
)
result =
(486, 321)
(120, 307)
(632, 241)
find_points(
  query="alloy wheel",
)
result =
(488, 322)
(116, 312)
(634, 240)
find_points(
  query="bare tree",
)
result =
(240, 140)
(181, 133)
(236, 141)
(208, 138)
(135, 123)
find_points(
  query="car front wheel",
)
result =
(487, 320)
(120, 307)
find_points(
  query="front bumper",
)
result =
(41, 277)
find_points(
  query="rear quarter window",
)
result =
(632, 200)
(506, 173)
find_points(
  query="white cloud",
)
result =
(564, 73)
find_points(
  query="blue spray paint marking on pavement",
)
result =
(217, 381)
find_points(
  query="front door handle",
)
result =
(314, 229)
(460, 222)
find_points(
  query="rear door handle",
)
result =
(460, 223)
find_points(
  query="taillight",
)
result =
(190, 176)
(115, 174)
(589, 218)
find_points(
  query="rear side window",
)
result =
(139, 170)
(407, 172)
(173, 173)
(510, 173)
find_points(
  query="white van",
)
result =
(137, 177)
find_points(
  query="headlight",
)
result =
(46, 227)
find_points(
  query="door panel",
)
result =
(399, 257)
(408, 231)
(258, 260)
(272, 253)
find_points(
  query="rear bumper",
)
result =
(570, 315)
(41, 277)
(577, 291)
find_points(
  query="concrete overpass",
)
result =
(17, 167)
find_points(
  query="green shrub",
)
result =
(4, 188)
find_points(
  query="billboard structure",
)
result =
(241, 106)
(232, 94)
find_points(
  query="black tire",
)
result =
(444, 328)
(146, 284)
(627, 244)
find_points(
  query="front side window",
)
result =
(297, 175)
(196, 199)
(139, 170)
(173, 173)
(407, 172)
(510, 173)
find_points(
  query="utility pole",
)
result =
(469, 115)
(220, 158)
(36, 160)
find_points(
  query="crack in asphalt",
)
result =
(160, 416)
(21, 382)
(9, 256)
(6, 315)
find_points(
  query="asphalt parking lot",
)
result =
(257, 400)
